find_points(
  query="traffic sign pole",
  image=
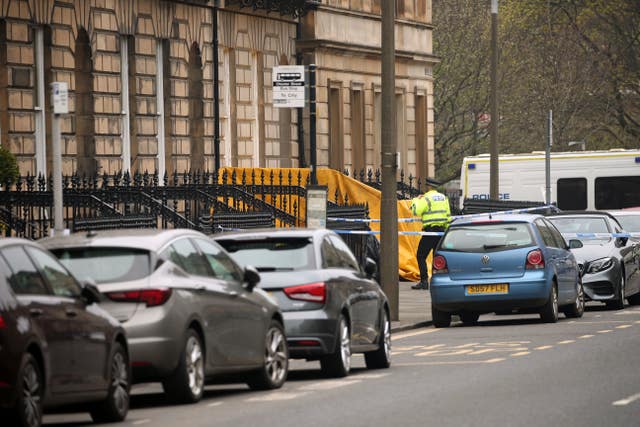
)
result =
(60, 96)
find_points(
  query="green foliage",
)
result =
(578, 58)
(9, 172)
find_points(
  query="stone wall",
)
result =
(86, 42)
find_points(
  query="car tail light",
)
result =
(151, 297)
(313, 292)
(439, 265)
(535, 260)
(2, 323)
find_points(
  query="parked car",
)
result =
(189, 310)
(332, 307)
(610, 265)
(57, 347)
(504, 263)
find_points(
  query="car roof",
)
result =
(272, 232)
(590, 214)
(8, 241)
(625, 212)
(146, 239)
(492, 217)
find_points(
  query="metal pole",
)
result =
(41, 131)
(58, 225)
(547, 157)
(312, 123)
(216, 90)
(493, 150)
(388, 207)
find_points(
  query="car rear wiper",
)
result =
(492, 246)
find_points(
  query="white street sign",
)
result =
(288, 86)
(60, 93)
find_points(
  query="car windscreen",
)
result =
(106, 265)
(630, 223)
(583, 224)
(272, 254)
(487, 237)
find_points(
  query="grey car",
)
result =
(610, 265)
(332, 306)
(190, 312)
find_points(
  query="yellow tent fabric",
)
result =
(356, 192)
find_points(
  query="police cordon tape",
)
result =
(428, 233)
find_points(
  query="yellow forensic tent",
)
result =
(357, 192)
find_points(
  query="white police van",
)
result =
(607, 179)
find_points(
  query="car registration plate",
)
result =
(499, 288)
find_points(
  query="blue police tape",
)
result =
(600, 235)
(402, 233)
(512, 211)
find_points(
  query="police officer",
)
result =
(433, 208)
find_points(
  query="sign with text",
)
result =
(316, 206)
(288, 86)
(60, 96)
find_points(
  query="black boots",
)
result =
(421, 285)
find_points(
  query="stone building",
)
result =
(142, 93)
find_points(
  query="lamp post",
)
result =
(388, 205)
(493, 143)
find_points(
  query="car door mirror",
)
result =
(622, 241)
(370, 267)
(90, 292)
(251, 277)
(575, 244)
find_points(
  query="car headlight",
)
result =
(599, 265)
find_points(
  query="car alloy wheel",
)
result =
(345, 344)
(549, 312)
(194, 365)
(31, 392)
(186, 383)
(338, 363)
(276, 360)
(381, 358)
(116, 406)
(577, 308)
(120, 383)
(276, 355)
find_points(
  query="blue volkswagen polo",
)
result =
(504, 263)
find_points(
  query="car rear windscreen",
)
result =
(630, 223)
(487, 237)
(106, 265)
(272, 254)
(582, 224)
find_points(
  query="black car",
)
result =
(57, 347)
(609, 263)
(332, 306)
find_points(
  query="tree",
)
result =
(9, 172)
(579, 58)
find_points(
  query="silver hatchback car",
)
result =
(190, 312)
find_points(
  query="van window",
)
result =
(616, 192)
(572, 193)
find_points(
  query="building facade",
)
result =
(142, 95)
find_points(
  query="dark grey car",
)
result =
(189, 310)
(332, 307)
(610, 265)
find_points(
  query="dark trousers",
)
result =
(427, 243)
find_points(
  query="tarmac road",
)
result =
(507, 370)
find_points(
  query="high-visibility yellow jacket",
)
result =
(433, 208)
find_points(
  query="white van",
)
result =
(579, 180)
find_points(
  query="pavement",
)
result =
(414, 308)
